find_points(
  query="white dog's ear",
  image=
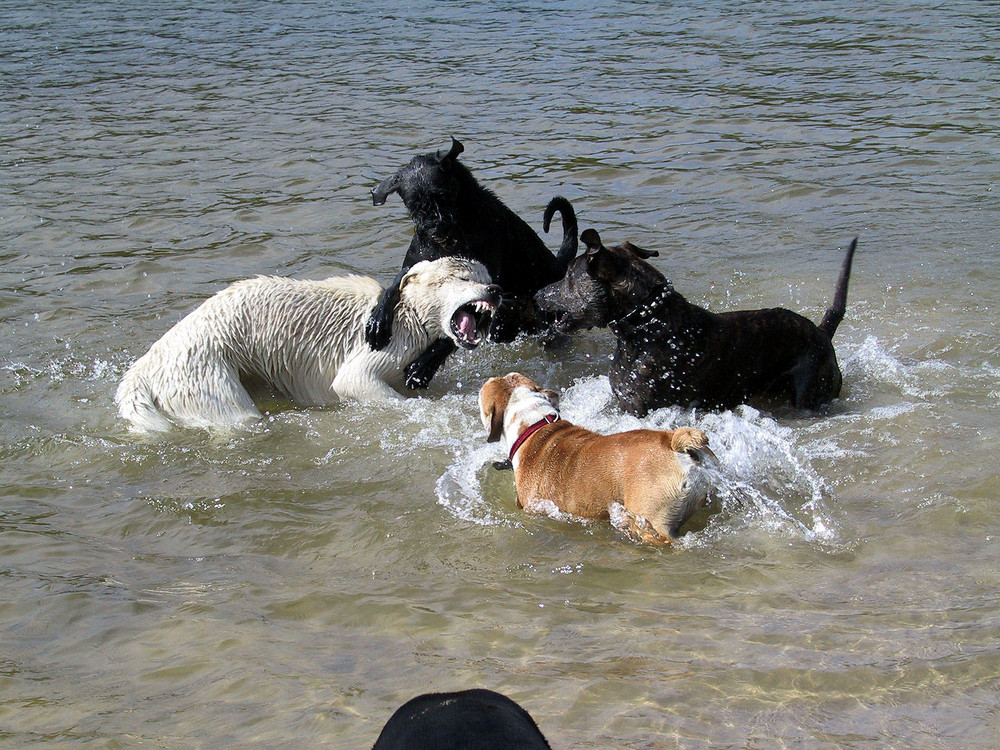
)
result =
(552, 396)
(407, 278)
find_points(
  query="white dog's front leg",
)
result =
(358, 379)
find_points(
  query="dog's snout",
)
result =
(495, 293)
(384, 189)
(547, 296)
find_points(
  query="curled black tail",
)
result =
(567, 250)
(835, 313)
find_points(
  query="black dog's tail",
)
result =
(567, 250)
(835, 313)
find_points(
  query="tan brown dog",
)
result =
(659, 476)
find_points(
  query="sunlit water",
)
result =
(291, 584)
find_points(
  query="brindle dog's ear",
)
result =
(601, 263)
(640, 252)
(604, 265)
(456, 148)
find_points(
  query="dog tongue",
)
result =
(466, 325)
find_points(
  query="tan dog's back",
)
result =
(658, 476)
(583, 472)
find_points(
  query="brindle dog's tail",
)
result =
(835, 313)
(567, 251)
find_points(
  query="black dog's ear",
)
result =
(456, 148)
(640, 252)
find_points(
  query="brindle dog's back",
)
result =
(671, 352)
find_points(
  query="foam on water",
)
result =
(62, 368)
(871, 361)
(460, 489)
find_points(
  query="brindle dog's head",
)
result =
(601, 285)
(428, 182)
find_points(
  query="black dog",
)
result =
(467, 720)
(671, 352)
(455, 215)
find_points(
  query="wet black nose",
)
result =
(495, 293)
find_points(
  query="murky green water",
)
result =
(292, 584)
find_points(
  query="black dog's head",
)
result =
(427, 182)
(600, 286)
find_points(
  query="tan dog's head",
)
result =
(514, 392)
(452, 297)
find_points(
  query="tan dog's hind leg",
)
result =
(661, 503)
(666, 497)
(642, 531)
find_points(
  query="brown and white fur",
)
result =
(659, 476)
(302, 340)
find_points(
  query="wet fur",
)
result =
(672, 352)
(453, 215)
(299, 339)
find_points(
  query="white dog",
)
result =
(303, 340)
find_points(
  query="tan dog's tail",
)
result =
(693, 442)
(685, 439)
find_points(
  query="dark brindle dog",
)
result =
(671, 352)
(454, 215)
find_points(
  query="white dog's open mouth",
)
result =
(470, 323)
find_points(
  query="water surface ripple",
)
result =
(293, 583)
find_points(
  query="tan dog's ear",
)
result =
(495, 391)
(496, 423)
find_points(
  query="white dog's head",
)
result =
(452, 297)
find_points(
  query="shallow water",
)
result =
(293, 583)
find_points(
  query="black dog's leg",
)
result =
(421, 370)
(378, 328)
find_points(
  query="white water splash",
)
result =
(460, 490)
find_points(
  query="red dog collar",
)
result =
(531, 431)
